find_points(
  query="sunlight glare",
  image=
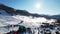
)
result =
(38, 5)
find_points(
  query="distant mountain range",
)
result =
(12, 11)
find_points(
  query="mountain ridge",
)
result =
(13, 11)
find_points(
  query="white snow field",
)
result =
(28, 22)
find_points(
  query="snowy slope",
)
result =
(29, 21)
(3, 12)
(6, 18)
(5, 21)
(20, 18)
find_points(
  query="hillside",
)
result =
(10, 17)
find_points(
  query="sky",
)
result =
(48, 7)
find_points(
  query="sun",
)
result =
(37, 5)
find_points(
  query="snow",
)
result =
(3, 12)
(28, 22)
(8, 20)
(5, 20)
(7, 29)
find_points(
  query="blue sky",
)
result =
(49, 7)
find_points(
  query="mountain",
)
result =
(56, 16)
(7, 9)
(12, 11)
(10, 16)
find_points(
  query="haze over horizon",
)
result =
(48, 7)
